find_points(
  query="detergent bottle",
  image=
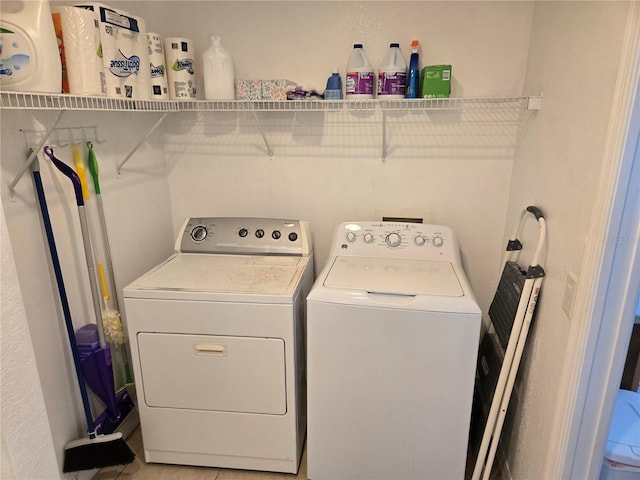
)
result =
(29, 55)
(219, 72)
(392, 75)
(360, 78)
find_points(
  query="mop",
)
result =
(97, 366)
(96, 451)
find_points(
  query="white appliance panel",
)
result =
(232, 374)
(387, 391)
(224, 273)
(394, 276)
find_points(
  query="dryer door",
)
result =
(216, 373)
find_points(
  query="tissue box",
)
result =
(436, 81)
(276, 89)
(249, 89)
(124, 52)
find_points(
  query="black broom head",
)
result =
(99, 452)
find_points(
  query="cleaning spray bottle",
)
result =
(413, 84)
(219, 72)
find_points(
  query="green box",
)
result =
(436, 81)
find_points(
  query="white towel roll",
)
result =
(79, 43)
(181, 74)
(159, 85)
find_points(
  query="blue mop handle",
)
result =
(46, 220)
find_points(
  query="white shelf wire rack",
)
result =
(383, 111)
(40, 101)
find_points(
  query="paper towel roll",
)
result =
(181, 75)
(79, 43)
(159, 86)
(125, 56)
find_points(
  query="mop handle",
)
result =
(84, 227)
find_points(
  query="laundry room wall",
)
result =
(558, 167)
(328, 168)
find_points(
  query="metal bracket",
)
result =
(33, 153)
(264, 135)
(142, 140)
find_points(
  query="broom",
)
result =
(97, 451)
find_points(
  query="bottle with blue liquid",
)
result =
(413, 83)
(334, 87)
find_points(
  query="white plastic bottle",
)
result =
(392, 76)
(360, 77)
(29, 55)
(219, 72)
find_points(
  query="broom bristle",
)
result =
(99, 452)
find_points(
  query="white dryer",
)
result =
(392, 341)
(217, 341)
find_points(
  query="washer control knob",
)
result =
(259, 233)
(293, 236)
(368, 238)
(420, 241)
(351, 237)
(393, 239)
(198, 233)
(243, 232)
(437, 241)
(276, 234)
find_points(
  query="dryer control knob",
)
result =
(437, 241)
(276, 234)
(393, 239)
(351, 237)
(243, 232)
(198, 233)
(259, 233)
(420, 241)
(368, 238)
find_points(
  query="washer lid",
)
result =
(394, 276)
(213, 274)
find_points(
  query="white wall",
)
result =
(27, 446)
(138, 211)
(573, 57)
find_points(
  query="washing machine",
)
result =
(392, 342)
(217, 336)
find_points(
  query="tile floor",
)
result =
(139, 470)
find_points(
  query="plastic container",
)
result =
(334, 87)
(30, 59)
(219, 72)
(360, 77)
(392, 75)
(622, 450)
(413, 83)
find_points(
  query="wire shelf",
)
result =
(40, 101)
